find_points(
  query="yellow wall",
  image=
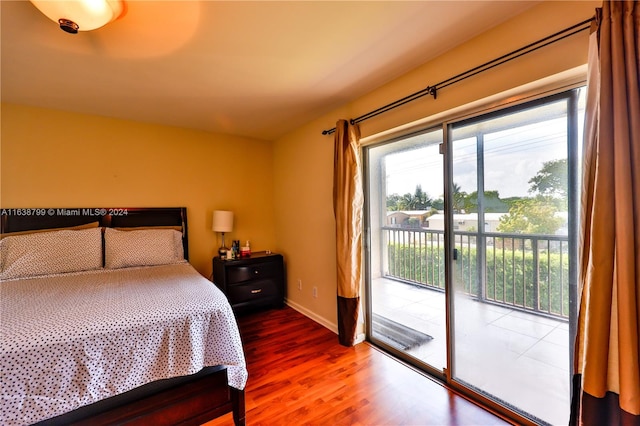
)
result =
(59, 159)
(303, 159)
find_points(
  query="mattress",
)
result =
(69, 340)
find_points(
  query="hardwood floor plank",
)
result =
(300, 375)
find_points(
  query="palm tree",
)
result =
(422, 201)
(459, 198)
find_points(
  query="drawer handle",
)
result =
(256, 291)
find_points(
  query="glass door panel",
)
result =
(406, 258)
(511, 259)
(496, 321)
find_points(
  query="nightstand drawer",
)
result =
(238, 274)
(256, 290)
(250, 282)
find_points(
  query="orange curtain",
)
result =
(347, 209)
(607, 352)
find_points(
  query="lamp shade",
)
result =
(86, 14)
(222, 221)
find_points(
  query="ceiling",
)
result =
(251, 68)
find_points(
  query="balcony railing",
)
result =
(523, 271)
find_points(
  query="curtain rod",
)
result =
(433, 90)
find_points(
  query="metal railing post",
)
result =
(404, 269)
(536, 274)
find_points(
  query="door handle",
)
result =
(455, 254)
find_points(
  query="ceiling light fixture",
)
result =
(80, 15)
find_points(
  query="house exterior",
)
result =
(465, 222)
(407, 218)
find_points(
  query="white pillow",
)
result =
(145, 247)
(52, 252)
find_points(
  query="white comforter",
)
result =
(72, 339)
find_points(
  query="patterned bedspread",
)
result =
(72, 339)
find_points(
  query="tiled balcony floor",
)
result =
(517, 357)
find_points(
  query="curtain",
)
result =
(606, 387)
(347, 209)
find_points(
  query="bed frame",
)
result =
(187, 400)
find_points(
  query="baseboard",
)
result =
(360, 337)
(317, 318)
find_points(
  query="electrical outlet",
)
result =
(315, 292)
(299, 284)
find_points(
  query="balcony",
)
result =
(512, 323)
(525, 272)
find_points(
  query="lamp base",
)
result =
(222, 251)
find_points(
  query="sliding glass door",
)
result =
(497, 201)
(406, 256)
(510, 179)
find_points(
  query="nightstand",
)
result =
(251, 282)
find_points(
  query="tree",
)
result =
(551, 180)
(420, 200)
(413, 222)
(531, 216)
(392, 202)
(459, 198)
(538, 215)
(492, 203)
(438, 204)
(461, 201)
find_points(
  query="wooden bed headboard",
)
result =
(27, 219)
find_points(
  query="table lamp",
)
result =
(222, 222)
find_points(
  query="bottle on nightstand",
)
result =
(246, 250)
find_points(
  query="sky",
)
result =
(511, 158)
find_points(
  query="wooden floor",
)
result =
(300, 375)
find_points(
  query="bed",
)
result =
(104, 321)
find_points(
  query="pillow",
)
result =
(54, 252)
(142, 247)
(34, 231)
